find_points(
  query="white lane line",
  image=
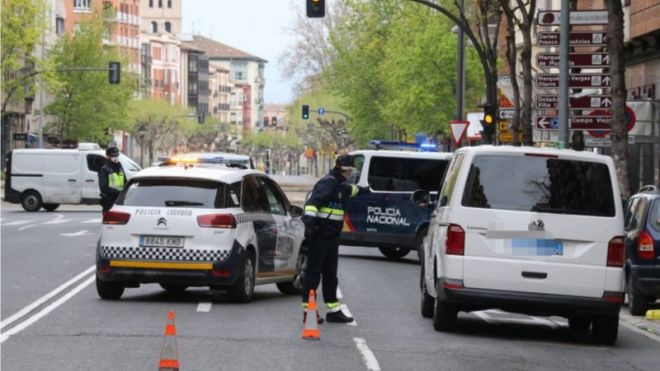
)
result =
(19, 222)
(484, 316)
(204, 307)
(92, 221)
(59, 219)
(339, 294)
(367, 355)
(344, 309)
(45, 298)
(42, 313)
(76, 234)
(27, 227)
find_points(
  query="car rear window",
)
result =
(165, 192)
(654, 214)
(528, 183)
(406, 174)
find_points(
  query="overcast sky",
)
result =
(254, 26)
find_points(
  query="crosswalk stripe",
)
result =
(18, 222)
(27, 227)
(204, 307)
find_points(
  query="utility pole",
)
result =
(563, 74)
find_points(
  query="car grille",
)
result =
(162, 254)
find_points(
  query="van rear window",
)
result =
(540, 184)
(174, 192)
(406, 174)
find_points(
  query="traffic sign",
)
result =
(458, 129)
(504, 126)
(631, 118)
(320, 110)
(593, 38)
(547, 122)
(551, 60)
(505, 136)
(506, 114)
(574, 122)
(587, 80)
(588, 102)
(577, 17)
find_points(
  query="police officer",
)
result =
(324, 219)
(111, 178)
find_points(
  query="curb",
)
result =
(640, 325)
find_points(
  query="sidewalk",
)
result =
(639, 324)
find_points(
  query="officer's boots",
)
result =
(338, 317)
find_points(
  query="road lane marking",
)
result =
(204, 307)
(42, 313)
(18, 222)
(484, 316)
(59, 219)
(344, 309)
(367, 355)
(45, 298)
(92, 221)
(27, 227)
(76, 234)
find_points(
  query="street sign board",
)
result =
(586, 80)
(506, 114)
(458, 129)
(593, 38)
(587, 102)
(504, 125)
(20, 136)
(320, 111)
(551, 60)
(574, 122)
(505, 137)
(577, 17)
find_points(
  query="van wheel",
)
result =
(31, 201)
(394, 253)
(173, 288)
(445, 316)
(295, 286)
(50, 207)
(243, 289)
(109, 290)
(605, 329)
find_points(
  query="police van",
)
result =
(388, 217)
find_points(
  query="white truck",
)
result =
(46, 178)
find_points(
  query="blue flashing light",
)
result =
(403, 146)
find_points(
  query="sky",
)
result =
(254, 26)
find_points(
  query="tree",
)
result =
(86, 106)
(619, 134)
(22, 27)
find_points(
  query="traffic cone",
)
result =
(311, 329)
(169, 353)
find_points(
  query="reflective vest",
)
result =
(325, 206)
(116, 181)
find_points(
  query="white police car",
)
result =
(216, 226)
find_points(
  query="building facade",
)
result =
(220, 90)
(161, 67)
(161, 16)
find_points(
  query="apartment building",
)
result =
(220, 89)
(161, 16)
(161, 67)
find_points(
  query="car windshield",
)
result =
(654, 214)
(540, 184)
(171, 192)
(406, 174)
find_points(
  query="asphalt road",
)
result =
(75, 330)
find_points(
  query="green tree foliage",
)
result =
(86, 107)
(22, 25)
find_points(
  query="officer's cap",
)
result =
(344, 162)
(112, 152)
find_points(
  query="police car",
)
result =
(388, 217)
(217, 226)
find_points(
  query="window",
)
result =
(239, 70)
(450, 179)
(406, 174)
(169, 3)
(151, 3)
(192, 87)
(254, 199)
(174, 192)
(234, 197)
(192, 64)
(275, 201)
(59, 26)
(358, 163)
(168, 27)
(539, 184)
(160, 3)
(154, 27)
(82, 4)
(654, 215)
(95, 162)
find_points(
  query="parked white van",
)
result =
(46, 178)
(527, 230)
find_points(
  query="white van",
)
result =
(46, 178)
(527, 230)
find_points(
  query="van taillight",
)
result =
(645, 246)
(216, 221)
(455, 244)
(615, 255)
(115, 217)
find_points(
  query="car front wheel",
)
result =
(31, 201)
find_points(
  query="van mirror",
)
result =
(421, 197)
(296, 211)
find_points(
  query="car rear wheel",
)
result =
(173, 288)
(51, 207)
(579, 323)
(243, 289)
(295, 286)
(109, 290)
(31, 201)
(605, 329)
(445, 316)
(394, 253)
(637, 303)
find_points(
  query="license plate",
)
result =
(537, 247)
(161, 241)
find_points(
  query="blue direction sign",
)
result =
(320, 111)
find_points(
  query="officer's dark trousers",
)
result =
(322, 266)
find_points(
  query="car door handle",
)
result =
(89, 180)
(72, 180)
(537, 275)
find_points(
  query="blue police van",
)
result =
(388, 217)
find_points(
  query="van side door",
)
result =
(91, 165)
(62, 178)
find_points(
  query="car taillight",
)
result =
(115, 217)
(615, 255)
(455, 244)
(645, 246)
(216, 221)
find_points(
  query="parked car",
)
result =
(642, 241)
(46, 178)
(180, 226)
(387, 217)
(528, 230)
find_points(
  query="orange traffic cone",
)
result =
(169, 354)
(311, 329)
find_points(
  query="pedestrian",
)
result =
(324, 219)
(111, 178)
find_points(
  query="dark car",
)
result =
(642, 244)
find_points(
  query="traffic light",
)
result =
(305, 112)
(488, 123)
(114, 73)
(265, 121)
(316, 8)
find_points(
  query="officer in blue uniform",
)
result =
(324, 219)
(111, 179)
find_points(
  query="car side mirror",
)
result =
(296, 211)
(421, 197)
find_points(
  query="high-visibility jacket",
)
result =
(324, 210)
(112, 180)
